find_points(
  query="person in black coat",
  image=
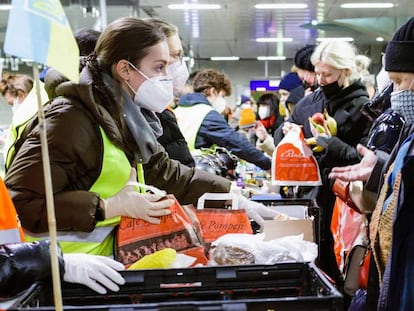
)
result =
(341, 94)
(390, 176)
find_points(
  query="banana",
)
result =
(331, 124)
(318, 148)
(311, 141)
(317, 126)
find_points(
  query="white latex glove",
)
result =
(97, 272)
(257, 211)
(129, 202)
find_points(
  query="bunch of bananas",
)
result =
(321, 124)
(330, 123)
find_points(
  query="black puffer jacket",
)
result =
(173, 140)
(353, 126)
(23, 264)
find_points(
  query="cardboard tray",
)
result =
(283, 205)
(287, 286)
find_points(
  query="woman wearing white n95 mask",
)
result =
(154, 93)
(179, 73)
(172, 139)
(98, 132)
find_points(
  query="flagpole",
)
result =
(57, 293)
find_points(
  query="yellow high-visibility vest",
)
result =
(114, 175)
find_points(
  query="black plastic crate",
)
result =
(287, 286)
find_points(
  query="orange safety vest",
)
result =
(10, 229)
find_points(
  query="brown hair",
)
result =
(13, 83)
(86, 39)
(126, 38)
(209, 78)
(167, 29)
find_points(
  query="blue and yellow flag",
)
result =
(39, 30)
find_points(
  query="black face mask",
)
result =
(330, 89)
(307, 85)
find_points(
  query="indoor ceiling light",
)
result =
(282, 6)
(271, 57)
(274, 39)
(349, 39)
(224, 58)
(194, 6)
(5, 7)
(366, 5)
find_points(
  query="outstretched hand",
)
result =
(260, 131)
(360, 171)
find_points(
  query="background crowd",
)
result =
(138, 115)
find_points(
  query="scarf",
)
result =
(143, 124)
(268, 122)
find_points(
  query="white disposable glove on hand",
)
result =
(96, 272)
(257, 211)
(129, 202)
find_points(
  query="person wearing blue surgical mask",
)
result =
(172, 139)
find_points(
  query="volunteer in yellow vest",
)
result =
(97, 131)
(22, 263)
(20, 92)
(200, 120)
